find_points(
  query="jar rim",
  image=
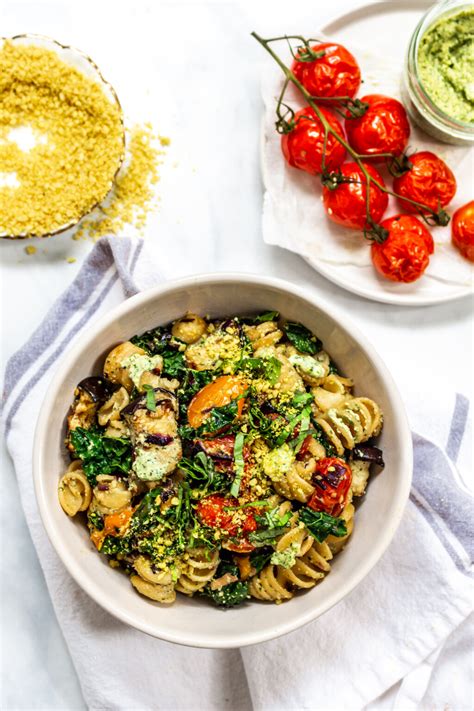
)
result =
(439, 10)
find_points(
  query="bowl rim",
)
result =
(240, 639)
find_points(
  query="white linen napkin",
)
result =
(389, 631)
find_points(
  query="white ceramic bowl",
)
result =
(193, 621)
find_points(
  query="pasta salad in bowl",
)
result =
(219, 459)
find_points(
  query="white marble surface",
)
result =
(192, 69)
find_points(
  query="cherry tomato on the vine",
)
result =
(222, 513)
(218, 393)
(332, 481)
(405, 254)
(462, 230)
(336, 73)
(346, 204)
(303, 146)
(384, 128)
(428, 181)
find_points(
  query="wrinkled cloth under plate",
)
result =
(405, 610)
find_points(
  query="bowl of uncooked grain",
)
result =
(61, 137)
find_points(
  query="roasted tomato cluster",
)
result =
(372, 129)
(332, 481)
(231, 521)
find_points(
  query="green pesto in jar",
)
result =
(446, 64)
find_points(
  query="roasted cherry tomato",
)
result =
(428, 181)
(216, 511)
(384, 128)
(332, 480)
(336, 73)
(346, 204)
(218, 393)
(462, 230)
(404, 255)
(220, 450)
(303, 145)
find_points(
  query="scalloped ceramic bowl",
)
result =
(194, 621)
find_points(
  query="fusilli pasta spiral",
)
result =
(275, 584)
(199, 568)
(335, 543)
(355, 421)
(332, 392)
(296, 483)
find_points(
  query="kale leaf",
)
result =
(159, 341)
(260, 557)
(173, 363)
(100, 454)
(154, 341)
(333, 369)
(231, 594)
(113, 545)
(95, 520)
(302, 338)
(321, 525)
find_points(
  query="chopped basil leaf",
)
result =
(321, 525)
(239, 463)
(150, 398)
(271, 526)
(201, 472)
(302, 419)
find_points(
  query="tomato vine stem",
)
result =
(376, 233)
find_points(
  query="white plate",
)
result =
(387, 26)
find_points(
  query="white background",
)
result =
(193, 70)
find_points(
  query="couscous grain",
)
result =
(78, 141)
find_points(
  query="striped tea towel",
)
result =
(378, 647)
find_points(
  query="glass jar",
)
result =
(420, 105)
